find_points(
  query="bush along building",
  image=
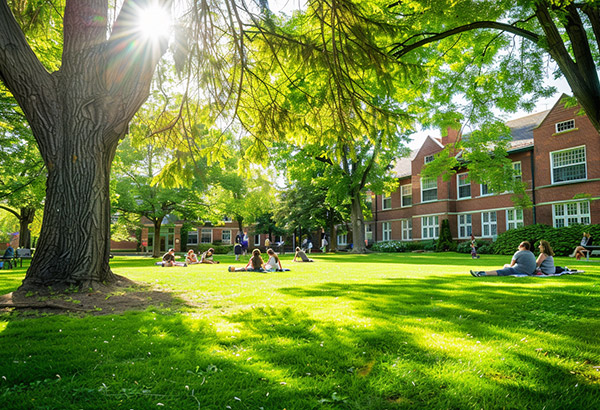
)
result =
(556, 154)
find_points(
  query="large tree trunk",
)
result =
(156, 244)
(78, 115)
(358, 224)
(26, 218)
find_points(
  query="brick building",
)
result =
(556, 153)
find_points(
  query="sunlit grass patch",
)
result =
(358, 332)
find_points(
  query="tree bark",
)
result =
(358, 224)
(78, 115)
(26, 218)
(156, 245)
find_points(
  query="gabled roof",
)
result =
(522, 128)
(403, 166)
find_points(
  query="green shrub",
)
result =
(219, 249)
(390, 246)
(465, 247)
(429, 245)
(445, 242)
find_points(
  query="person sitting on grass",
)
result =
(545, 261)
(255, 264)
(273, 264)
(581, 250)
(300, 254)
(207, 257)
(191, 258)
(522, 263)
(168, 259)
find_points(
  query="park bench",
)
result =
(20, 254)
(590, 250)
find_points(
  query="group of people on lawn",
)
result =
(524, 261)
(256, 262)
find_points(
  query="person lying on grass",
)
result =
(255, 264)
(300, 254)
(522, 263)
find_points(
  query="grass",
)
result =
(383, 331)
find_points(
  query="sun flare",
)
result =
(154, 22)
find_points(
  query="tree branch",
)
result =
(402, 49)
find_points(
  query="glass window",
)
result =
(571, 213)
(386, 228)
(428, 189)
(464, 226)
(386, 202)
(206, 235)
(406, 229)
(192, 238)
(430, 228)
(484, 190)
(226, 236)
(565, 126)
(257, 240)
(568, 165)
(517, 172)
(428, 159)
(464, 185)
(342, 239)
(488, 224)
(369, 233)
(406, 195)
(514, 218)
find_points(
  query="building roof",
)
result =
(522, 128)
(403, 166)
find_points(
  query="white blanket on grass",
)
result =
(567, 272)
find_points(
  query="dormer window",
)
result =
(428, 159)
(565, 126)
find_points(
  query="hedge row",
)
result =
(563, 241)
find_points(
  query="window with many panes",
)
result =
(514, 218)
(565, 126)
(406, 229)
(428, 189)
(386, 229)
(386, 202)
(192, 238)
(342, 239)
(428, 159)
(464, 185)
(488, 224)
(206, 236)
(430, 228)
(226, 236)
(406, 191)
(568, 165)
(464, 226)
(571, 213)
(517, 172)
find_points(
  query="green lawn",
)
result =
(382, 331)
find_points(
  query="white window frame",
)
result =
(514, 218)
(517, 170)
(552, 167)
(192, 233)
(223, 240)
(564, 126)
(386, 231)
(385, 199)
(369, 233)
(430, 227)
(570, 213)
(429, 189)
(465, 183)
(204, 231)
(257, 239)
(465, 225)
(406, 192)
(407, 229)
(489, 227)
(342, 239)
(428, 158)
(488, 193)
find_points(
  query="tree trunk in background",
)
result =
(26, 218)
(156, 245)
(358, 224)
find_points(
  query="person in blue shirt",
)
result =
(9, 252)
(522, 263)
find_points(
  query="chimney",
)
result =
(450, 136)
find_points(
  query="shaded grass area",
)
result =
(383, 331)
